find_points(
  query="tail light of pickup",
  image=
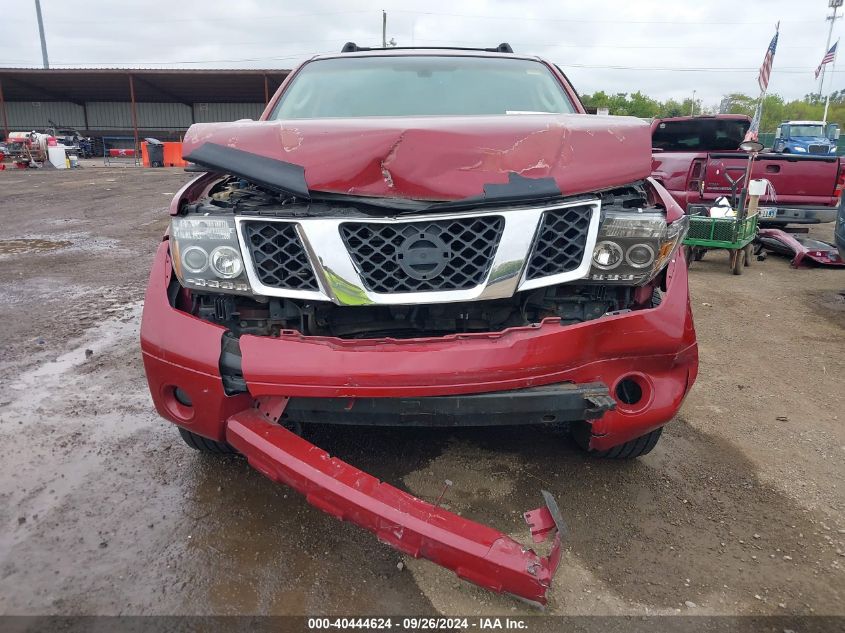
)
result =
(696, 173)
(840, 183)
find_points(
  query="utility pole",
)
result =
(833, 4)
(41, 33)
(692, 104)
(384, 27)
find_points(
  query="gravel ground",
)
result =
(739, 510)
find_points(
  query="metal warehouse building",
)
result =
(130, 102)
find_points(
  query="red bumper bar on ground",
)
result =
(473, 551)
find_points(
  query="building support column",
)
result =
(3, 108)
(266, 91)
(134, 113)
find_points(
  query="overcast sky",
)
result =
(615, 45)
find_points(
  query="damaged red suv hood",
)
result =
(444, 158)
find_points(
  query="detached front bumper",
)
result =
(475, 552)
(561, 365)
(655, 348)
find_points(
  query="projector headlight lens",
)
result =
(226, 262)
(607, 255)
(639, 255)
(195, 259)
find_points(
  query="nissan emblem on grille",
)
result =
(432, 255)
(423, 256)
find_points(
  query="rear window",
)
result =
(424, 85)
(704, 135)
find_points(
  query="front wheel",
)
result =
(638, 447)
(205, 445)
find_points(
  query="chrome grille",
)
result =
(560, 242)
(819, 149)
(453, 254)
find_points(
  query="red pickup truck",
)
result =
(420, 237)
(695, 158)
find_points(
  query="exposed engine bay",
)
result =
(268, 316)
(571, 304)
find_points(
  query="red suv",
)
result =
(418, 237)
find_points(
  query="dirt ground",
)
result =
(739, 510)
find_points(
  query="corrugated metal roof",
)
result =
(173, 85)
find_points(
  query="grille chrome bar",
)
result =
(345, 278)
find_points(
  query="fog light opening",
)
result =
(628, 391)
(178, 404)
(182, 397)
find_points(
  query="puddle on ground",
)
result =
(33, 245)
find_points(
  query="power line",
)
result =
(611, 46)
(230, 19)
(264, 17)
(590, 21)
(200, 61)
(789, 70)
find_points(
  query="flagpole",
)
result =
(827, 98)
(834, 4)
(753, 134)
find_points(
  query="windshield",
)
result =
(699, 135)
(421, 86)
(806, 130)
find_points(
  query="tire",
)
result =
(656, 298)
(688, 255)
(638, 447)
(699, 253)
(749, 254)
(205, 445)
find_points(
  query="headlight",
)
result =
(799, 149)
(633, 246)
(206, 255)
(607, 255)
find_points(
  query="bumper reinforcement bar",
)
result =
(559, 403)
(475, 552)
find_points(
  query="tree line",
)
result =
(775, 107)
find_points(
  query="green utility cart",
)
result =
(733, 234)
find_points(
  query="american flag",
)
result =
(766, 68)
(754, 129)
(828, 57)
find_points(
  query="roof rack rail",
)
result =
(352, 47)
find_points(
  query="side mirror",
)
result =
(752, 147)
(833, 131)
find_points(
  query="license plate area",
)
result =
(768, 212)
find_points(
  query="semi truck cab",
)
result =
(806, 137)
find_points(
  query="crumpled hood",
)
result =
(444, 158)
